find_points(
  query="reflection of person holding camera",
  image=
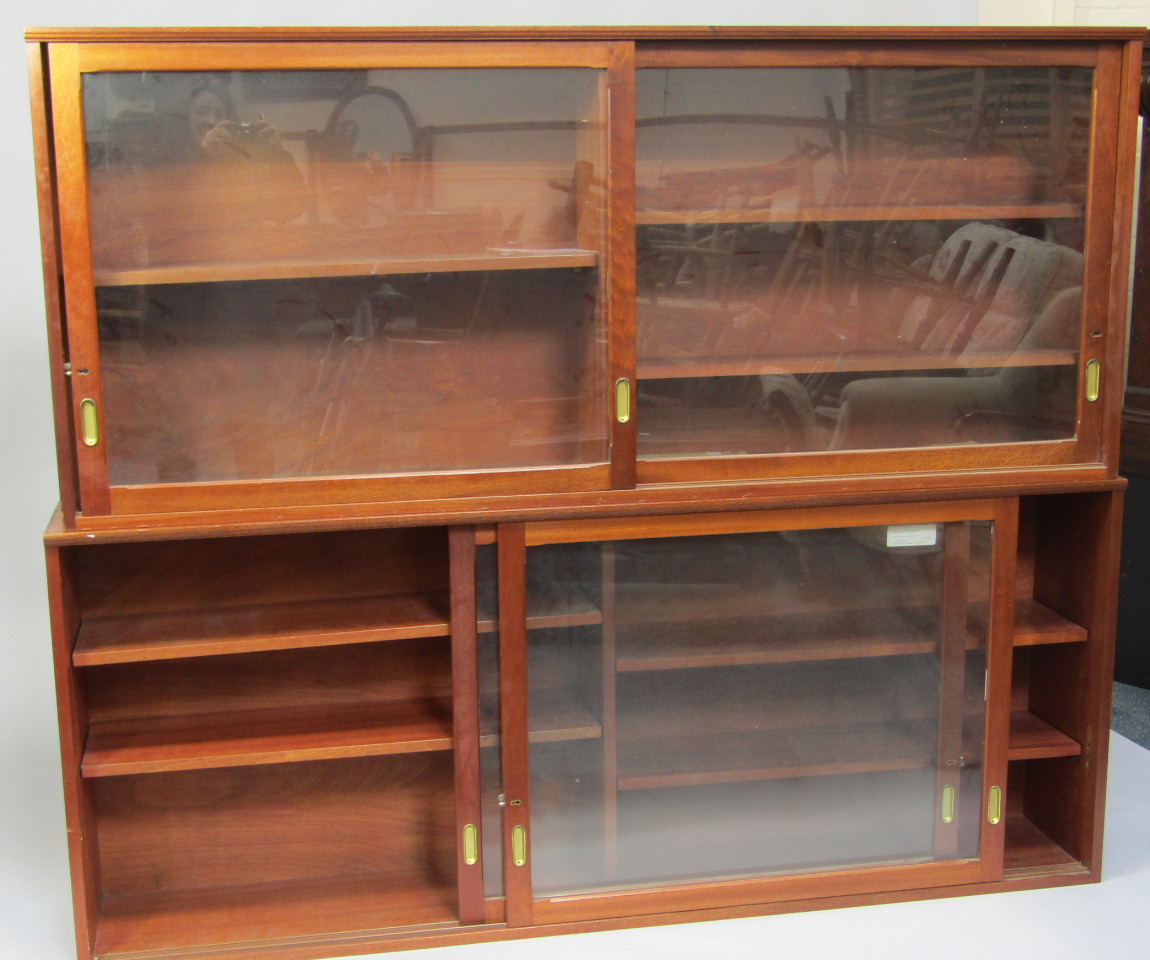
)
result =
(216, 132)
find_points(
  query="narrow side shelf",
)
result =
(772, 755)
(1034, 624)
(1032, 738)
(196, 742)
(836, 635)
(279, 626)
(327, 909)
(1037, 624)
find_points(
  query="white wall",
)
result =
(1081, 13)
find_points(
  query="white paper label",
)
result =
(912, 535)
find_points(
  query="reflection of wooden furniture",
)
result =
(419, 562)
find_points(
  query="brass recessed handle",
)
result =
(89, 423)
(994, 805)
(470, 845)
(519, 846)
(1093, 380)
(947, 803)
(622, 399)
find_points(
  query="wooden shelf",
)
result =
(553, 716)
(261, 627)
(771, 755)
(240, 738)
(232, 271)
(666, 368)
(695, 603)
(319, 910)
(1032, 738)
(552, 605)
(1030, 852)
(1034, 624)
(834, 635)
(855, 214)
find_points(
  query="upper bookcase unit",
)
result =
(301, 270)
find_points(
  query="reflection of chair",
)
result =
(994, 284)
(1016, 403)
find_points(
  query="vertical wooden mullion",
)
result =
(465, 709)
(999, 665)
(50, 256)
(952, 677)
(79, 806)
(512, 560)
(1099, 247)
(1114, 368)
(79, 279)
(610, 742)
(621, 256)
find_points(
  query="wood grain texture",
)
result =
(860, 35)
(621, 246)
(268, 54)
(660, 368)
(268, 917)
(42, 134)
(952, 668)
(876, 53)
(750, 521)
(1101, 234)
(654, 500)
(205, 831)
(245, 738)
(465, 721)
(514, 718)
(731, 893)
(1035, 739)
(283, 626)
(1076, 574)
(72, 715)
(76, 260)
(999, 662)
(860, 214)
(1124, 228)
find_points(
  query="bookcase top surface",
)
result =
(640, 33)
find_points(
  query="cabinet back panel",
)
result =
(127, 579)
(413, 670)
(278, 823)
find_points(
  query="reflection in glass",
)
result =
(333, 273)
(756, 704)
(858, 258)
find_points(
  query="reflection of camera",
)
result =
(245, 129)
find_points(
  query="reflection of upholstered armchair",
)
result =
(1022, 402)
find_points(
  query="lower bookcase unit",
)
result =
(322, 743)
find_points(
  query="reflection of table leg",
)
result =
(952, 676)
(610, 749)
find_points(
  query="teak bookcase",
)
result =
(526, 480)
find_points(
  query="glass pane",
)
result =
(840, 259)
(755, 704)
(317, 273)
(490, 756)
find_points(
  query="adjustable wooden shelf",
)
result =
(522, 481)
